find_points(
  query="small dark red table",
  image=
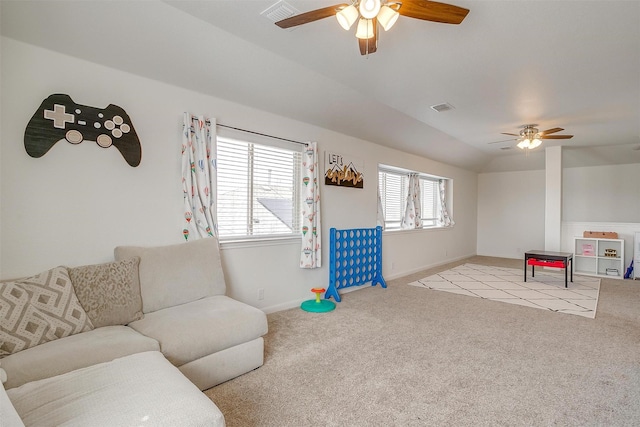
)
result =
(548, 259)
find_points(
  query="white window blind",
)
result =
(393, 193)
(393, 184)
(258, 193)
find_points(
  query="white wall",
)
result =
(597, 198)
(511, 213)
(76, 203)
(602, 193)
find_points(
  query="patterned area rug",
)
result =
(545, 291)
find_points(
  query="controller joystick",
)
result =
(58, 117)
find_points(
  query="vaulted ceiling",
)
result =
(568, 64)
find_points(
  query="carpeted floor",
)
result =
(546, 290)
(405, 356)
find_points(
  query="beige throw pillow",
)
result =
(39, 309)
(110, 293)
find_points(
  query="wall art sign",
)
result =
(343, 171)
(58, 117)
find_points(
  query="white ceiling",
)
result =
(569, 64)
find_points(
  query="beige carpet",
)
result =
(404, 356)
(546, 290)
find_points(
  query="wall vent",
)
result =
(442, 107)
(279, 11)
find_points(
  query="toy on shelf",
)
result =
(318, 305)
(587, 249)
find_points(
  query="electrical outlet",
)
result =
(261, 294)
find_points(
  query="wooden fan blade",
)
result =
(548, 131)
(556, 136)
(504, 140)
(433, 11)
(368, 46)
(510, 134)
(314, 15)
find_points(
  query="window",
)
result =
(393, 184)
(258, 192)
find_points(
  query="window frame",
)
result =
(227, 135)
(395, 225)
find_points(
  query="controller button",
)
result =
(117, 133)
(97, 125)
(104, 141)
(117, 120)
(59, 116)
(78, 111)
(82, 122)
(125, 128)
(74, 137)
(100, 115)
(109, 125)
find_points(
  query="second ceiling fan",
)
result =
(530, 137)
(371, 14)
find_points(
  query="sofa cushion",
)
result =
(142, 389)
(176, 274)
(39, 309)
(109, 293)
(74, 352)
(8, 415)
(190, 331)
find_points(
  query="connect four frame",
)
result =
(355, 259)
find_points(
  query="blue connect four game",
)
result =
(355, 257)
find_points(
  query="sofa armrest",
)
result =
(8, 414)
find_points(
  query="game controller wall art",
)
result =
(58, 117)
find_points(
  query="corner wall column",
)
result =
(553, 199)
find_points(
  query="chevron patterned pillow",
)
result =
(39, 309)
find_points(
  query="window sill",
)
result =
(417, 230)
(255, 242)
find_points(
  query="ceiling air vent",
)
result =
(279, 11)
(506, 148)
(442, 107)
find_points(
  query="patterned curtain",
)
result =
(380, 220)
(412, 218)
(311, 256)
(444, 219)
(199, 157)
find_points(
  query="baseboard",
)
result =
(283, 306)
(426, 267)
(296, 303)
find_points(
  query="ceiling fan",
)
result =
(530, 137)
(370, 13)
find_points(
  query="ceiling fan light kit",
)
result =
(369, 13)
(529, 144)
(347, 17)
(369, 8)
(387, 17)
(365, 29)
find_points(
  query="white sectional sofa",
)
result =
(158, 329)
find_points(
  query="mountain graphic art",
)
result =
(345, 176)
